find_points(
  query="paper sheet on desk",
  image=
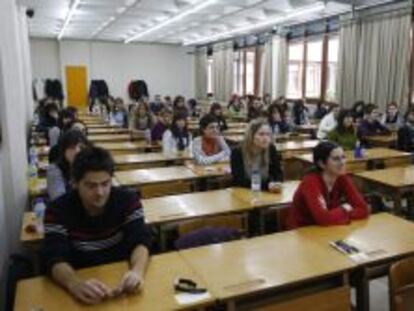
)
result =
(365, 252)
(187, 298)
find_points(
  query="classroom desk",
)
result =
(42, 151)
(236, 139)
(109, 138)
(385, 156)
(29, 237)
(395, 181)
(271, 264)
(386, 239)
(307, 129)
(289, 149)
(158, 293)
(116, 148)
(220, 169)
(105, 131)
(148, 160)
(100, 126)
(385, 141)
(234, 131)
(94, 122)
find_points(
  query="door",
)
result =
(76, 86)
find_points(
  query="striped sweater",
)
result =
(72, 236)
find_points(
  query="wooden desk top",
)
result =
(370, 154)
(100, 126)
(149, 157)
(265, 199)
(109, 137)
(296, 145)
(158, 292)
(109, 130)
(154, 175)
(382, 138)
(127, 145)
(388, 236)
(213, 170)
(234, 131)
(29, 219)
(42, 150)
(268, 262)
(192, 205)
(396, 177)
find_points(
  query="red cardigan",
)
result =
(313, 205)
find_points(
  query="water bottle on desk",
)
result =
(33, 155)
(256, 183)
(358, 151)
(33, 176)
(39, 210)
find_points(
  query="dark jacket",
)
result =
(241, 179)
(405, 141)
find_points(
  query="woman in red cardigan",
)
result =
(326, 196)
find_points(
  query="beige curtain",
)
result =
(223, 71)
(265, 76)
(374, 59)
(200, 73)
(279, 66)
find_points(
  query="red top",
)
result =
(313, 205)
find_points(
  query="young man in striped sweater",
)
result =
(95, 224)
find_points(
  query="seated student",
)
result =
(119, 115)
(100, 107)
(65, 118)
(267, 100)
(157, 105)
(92, 225)
(276, 118)
(177, 137)
(405, 141)
(328, 122)
(235, 106)
(58, 172)
(179, 106)
(210, 147)
(344, 134)
(141, 118)
(391, 119)
(358, 111)
(327, 196)
(256, 153)
(194, 108)
(370, 125)
(254, 110)
(217, 111)
(320, 111)
(163, 123)
(168, 104)
(300, 113)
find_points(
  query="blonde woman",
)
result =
(141, 118)
(257, 154)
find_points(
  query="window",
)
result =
(314, 69)
(250, 74)
(332, 70)
(209, 75)
(295, 70)
(244, 71)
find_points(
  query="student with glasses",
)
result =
(210, 147)
(327, 196)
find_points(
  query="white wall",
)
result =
(45, 59)
(167, 69)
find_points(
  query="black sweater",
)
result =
(72, 236)
(405, 140)
(241, 179)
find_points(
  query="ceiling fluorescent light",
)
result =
(314, 8)
(202, 4)
(72, 11)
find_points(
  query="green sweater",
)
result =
(347, 140)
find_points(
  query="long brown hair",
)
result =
(247, 147)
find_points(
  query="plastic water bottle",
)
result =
(33, 174)
(256, 185)
(39, 211)
(147, 135)
(33, 155)
(358, 152)
(36, 119)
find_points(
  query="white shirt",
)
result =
(327, 124)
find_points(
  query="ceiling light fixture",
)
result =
(202, 4)
(72, 11)
(314, 8)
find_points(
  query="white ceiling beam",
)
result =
(72, 11)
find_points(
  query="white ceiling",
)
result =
(118, 20)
